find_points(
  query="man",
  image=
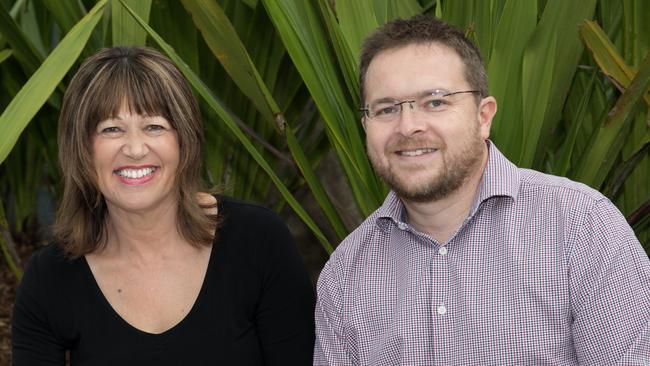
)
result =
(471, 260)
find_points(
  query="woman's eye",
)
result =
(111, 130)
(155, 128)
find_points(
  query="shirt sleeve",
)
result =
(33, 339)
(610, 291)
(285, 316)
(330, 346)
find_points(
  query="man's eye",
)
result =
(386, 110)
(436, 103)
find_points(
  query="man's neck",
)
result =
(440, 219)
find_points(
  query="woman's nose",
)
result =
(135, 146)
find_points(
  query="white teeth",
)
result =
(416, 152)
(135, 173)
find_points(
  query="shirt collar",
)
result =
(500, 179)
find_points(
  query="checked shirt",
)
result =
(544, 271)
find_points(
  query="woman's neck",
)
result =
(142, 233)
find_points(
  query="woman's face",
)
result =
(135, 159)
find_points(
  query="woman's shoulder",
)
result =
(254, 214)
(50, 268)
(45, 306)
(250, 226)
(52, 258)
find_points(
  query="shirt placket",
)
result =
(440, 310)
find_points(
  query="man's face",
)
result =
(428, 151)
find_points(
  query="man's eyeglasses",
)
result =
(430, 102)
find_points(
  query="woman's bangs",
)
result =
(130, 88)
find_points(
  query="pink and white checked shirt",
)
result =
(544, 271)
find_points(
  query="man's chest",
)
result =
(484, 302)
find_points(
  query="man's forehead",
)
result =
(413, 69)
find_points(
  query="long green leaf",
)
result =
(636, 31)
(564, 161)
(601, 155)
(315, 186)
(559, 21)
(607, 57)
(6, 244)
(66, 13)
(39, 87)
(225, 44)
(390, 9)
(5, 54)
(356, 20)
(302, 34)
(344, 54)
(206, 94)
(170, 19)
(516, 26)
(126, 31)
(537, 66)
(24, 51)
(13, 13)
(223, 40)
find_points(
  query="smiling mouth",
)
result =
(416, 152)
(135, 173)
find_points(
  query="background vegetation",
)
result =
(278, 87)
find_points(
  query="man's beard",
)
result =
(454, 170)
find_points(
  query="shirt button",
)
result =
(442, 250)
(442, 310)
(401, 226)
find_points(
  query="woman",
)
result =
(146, 268)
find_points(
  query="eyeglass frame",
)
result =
(400, 103)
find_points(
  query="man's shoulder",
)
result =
(360, 240)
(536, 183)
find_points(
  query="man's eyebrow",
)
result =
(384, 100)
(437, 91)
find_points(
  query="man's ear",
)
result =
(363, 122)
(487, 108)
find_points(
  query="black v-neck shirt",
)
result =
(255, 306)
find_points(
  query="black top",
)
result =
(255, 306)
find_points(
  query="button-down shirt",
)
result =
(544, 271)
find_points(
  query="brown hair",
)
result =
(152, 85)
(424, 29)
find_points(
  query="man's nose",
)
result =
(410, 121)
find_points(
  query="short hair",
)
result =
(423, 29)
(150, 84)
